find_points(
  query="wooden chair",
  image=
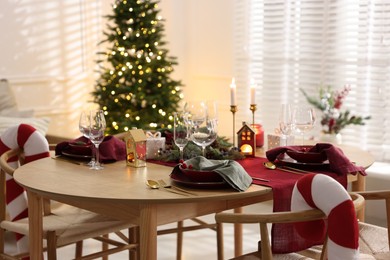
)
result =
(65, 224)
(264, 250)
(332, 202)
(375, 240)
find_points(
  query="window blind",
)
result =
(287, 45)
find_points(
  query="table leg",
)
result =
(35, 225)
(237, 236)
(148, 233)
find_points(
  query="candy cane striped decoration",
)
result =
(323, 192)
(35, 147)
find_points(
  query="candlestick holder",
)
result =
(234, 109)
(253, 109)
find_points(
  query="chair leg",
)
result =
(134, 239)
(2, 240)
(105, 247)
(220, 241)
(179, 242)
(79, 249)
(51, 245)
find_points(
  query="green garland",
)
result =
(221, 149)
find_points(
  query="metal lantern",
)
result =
(246, 140)
(136, 148)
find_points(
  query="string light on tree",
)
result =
(135, 88)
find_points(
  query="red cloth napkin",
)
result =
(284, 237)
(338, 162)
(111, 149)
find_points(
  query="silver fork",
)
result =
(166, 186)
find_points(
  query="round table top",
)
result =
(116, 181)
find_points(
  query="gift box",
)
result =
(276, 140)
(154, 143)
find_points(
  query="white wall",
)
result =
(200, 35)
(49, 59)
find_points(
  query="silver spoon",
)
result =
(272, 166)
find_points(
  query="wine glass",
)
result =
(84, 126)
(180, 131)
(303, 120)
(96, 134)
(285, 121)
(203, 124)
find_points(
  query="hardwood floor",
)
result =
(199, 244)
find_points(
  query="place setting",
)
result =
(198, 124)
(92, 148)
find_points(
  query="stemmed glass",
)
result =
(285, 121)
(84, 126)
(303, 120)
(180, 131)
(96, 134)
(203, 123)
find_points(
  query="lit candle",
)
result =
(233, 93)
(253, 93)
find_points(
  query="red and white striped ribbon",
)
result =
(35, 146)
(323, 192)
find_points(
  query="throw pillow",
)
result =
(41, 124)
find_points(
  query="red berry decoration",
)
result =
(184, 166)
(190, 166)
(181, 161)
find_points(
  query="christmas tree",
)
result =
(134, 88)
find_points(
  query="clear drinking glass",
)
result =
(180, 131)
(203, 123)
(84, 126)
(96, 134)
(285, 121)
(303, 120)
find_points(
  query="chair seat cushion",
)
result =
(373, 240)
(71, 224)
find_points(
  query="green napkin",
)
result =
(231, 171)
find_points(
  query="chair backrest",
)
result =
(323, 192)
(15, 141)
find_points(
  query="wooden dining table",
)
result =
(120, 191)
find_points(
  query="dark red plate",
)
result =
(301, 154)
(184, 180)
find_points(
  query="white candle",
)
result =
(253, 93)
(233, 93)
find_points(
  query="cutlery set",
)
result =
(170, 188)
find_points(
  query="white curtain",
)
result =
(287, 45)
